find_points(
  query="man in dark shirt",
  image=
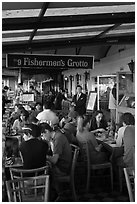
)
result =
(33, 150)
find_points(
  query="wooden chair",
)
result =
(17, 173)
(85, 158)
(37, 191)
(20, 173)
(129, 176)
(70, 178)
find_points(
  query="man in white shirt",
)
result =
(126, 138)
(47, 115)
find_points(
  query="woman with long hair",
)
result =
(98, 122)
(21, 121)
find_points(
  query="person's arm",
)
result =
(93, 140)
(120, 136)
(21, 157)
(15, 124)
(53, 159)
(98, 130)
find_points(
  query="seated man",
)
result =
(33, 150)
(69, 118)
(47, 115)
(126, 138)
(37, 110)
(62, 156)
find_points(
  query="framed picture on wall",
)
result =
(28, 97)
(91, 100)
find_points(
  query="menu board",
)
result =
(28, 97)
(91, 100)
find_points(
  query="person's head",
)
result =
(79, 89)
(83, 123)
(31, 131)
(86, 123)
(47, 105)
(18, 108)
(38, 106)
(24, 115)
(127, 119)
(98, 115)
(6, 88)
(80, 123)
(46, 131)
(31, 88)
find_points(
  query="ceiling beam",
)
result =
(107, 30)
(43, 10)
(78, 50)
(129, 39)
(68, 21)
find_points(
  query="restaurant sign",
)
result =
(49, 61)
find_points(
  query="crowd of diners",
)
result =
(47, 137)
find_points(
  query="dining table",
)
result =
(13, 162)
(110, 145)
(8, 163)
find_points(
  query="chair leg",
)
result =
(88, 180)
(120, 178)
(111, 174)
(73, 191)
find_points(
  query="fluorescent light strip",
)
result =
(15, 39)
(89, 10)
(16, 31)
(121, 31)
(128, 24)
(68, 11)
(74, 28)
(45, 37)
(20, 13)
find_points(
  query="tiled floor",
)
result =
(98, 194)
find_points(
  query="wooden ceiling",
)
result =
(28, 26)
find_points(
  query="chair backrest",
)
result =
(75, 153)
(129, 176)
(28, 189)
(134, 157)
(20, 173)
(84, 153)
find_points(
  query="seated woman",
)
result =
(33, 149)
(21, 121)
(126, 139)
(16, 113)
(83, 135)
(98, 122)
